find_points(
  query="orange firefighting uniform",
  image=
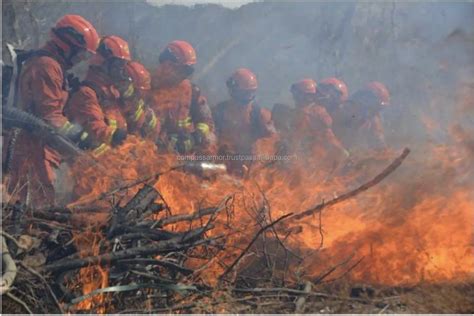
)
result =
(95, 106)
(282, 118)
(140, 117)
(238, 127)
(311, 131)
(356, 130)
(42, 92)
(183, 112)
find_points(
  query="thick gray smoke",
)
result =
(424, 52)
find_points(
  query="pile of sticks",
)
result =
(41, 257)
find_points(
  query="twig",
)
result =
(166, 264)
(391, 168)
(346, 272)
(332, 269)
(309, 294)
(39, 276)
(185, 217)
(273, 228)
(384, 309)
(251, 243)
(281, 289)
(220, 207)
(12, 239)
(16, 299)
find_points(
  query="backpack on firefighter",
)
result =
(15, 119)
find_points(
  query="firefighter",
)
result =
(240, 122)
(281, 117)
(42, 92)
(141, 119)
(311, 129)
(360, 125)
(186, 120)
(95, 102)
(332, 93)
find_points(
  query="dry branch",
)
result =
(387, 171)
(174, 244)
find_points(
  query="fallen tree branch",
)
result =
(165, 264)
(388, 170)
(173, 244)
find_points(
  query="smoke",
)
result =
(424, 52)
(228, 4)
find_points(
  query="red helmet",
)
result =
(74, 30)
(180, 52)
(114, 46)
(380, 90)
(140, 76)
(338, 84)
(242, 79)
(306, 85)
(111, 47)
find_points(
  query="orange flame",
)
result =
(91, 277)
(416, 225)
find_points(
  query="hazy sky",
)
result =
(226, 3)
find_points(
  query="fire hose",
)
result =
(14, 118)
(9, 268)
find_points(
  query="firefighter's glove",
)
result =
(118, 137)
(198, 137)
(86, 141)
(201, 133)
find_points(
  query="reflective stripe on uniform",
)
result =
(203, 127)
(100, 150)
(140, 110)
(84, 136)
(113, 127)
(153, 121)
(185, 123)
(112, 123)
(66, 128)
(129, 92)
